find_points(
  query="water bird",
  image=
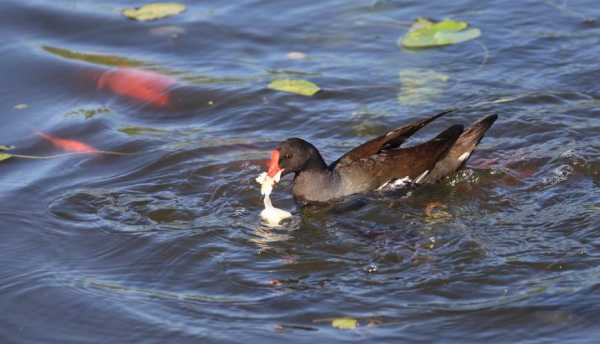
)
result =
(379, 164)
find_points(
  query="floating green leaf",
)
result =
(449, 37)
(106, 60)
(154, 11)
(344, 323)
(5, 156)
(21, 106)
(419, 86)
(4, 147)
(302, 87)
(425, 33)
(138, 131)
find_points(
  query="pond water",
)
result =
(163, 243)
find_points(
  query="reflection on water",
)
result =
(266, 236)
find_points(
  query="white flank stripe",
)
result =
(420, 178)
(464, 156)
(401, 182)
(382, 186)
(394, 184)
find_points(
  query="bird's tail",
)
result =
(461, 150)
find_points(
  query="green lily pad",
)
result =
(425, 33)
(5, 156)
(154, 11)
(450, 37)
(302, 87)
(420, 86)
(105, 60)
(4, 147)
(345, 323)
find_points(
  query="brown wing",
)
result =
(374, 171)
(391, 139)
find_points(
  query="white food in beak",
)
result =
(272, 216)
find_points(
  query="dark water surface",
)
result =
(165, 245)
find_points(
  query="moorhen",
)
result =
(378, 164)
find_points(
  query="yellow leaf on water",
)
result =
(154, 11)
(5, 156)
(302, 87)
(344, 323)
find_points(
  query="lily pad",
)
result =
(5, 156)
(420, 86)
(4, 147)
(345, 323)
(302, 87)
(100, 59)
(425, 33)
(154, 11)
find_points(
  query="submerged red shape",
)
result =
(68, 145)
(146, 86)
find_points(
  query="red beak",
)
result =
(274, 164)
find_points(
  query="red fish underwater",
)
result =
(141, 85)
(68, 145)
